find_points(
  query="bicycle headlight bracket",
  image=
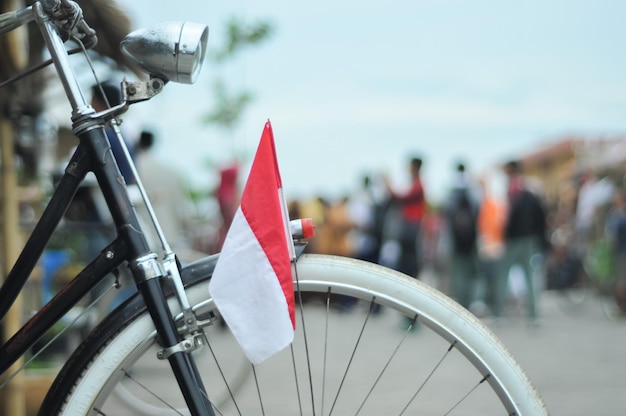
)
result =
(134, 92)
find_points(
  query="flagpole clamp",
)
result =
(186, 345)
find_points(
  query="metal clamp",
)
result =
(146, 268)
(186, 345)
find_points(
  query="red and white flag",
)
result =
(252, 283)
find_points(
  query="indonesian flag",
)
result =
(252, 283)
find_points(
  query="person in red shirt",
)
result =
(401, 249)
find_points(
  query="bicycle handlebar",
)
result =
(65, 14)
(50, 5)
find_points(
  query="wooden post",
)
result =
(13, 393)
(15, 53)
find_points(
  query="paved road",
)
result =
(577, 357)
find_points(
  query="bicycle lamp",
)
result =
(173, 51)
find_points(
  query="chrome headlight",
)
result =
(172, 51)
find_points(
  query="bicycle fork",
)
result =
(176, 348)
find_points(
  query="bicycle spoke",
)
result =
(433, 371)
(149, 391)
(295, 377)
(258, 390)
(326, 321)
(384, 369)
(356, 346)
(306, 346)
(226, 383)
(467, 394)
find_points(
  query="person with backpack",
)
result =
(462, 217)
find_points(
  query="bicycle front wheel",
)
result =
(369, 340)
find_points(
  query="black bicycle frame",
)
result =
(94, 154)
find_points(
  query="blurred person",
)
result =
(585, 212)
(434, 248)
(400, 247)
(314, 208)
(333, 236)
(563, 266)
(616, 231)
(491, 219)
(462, 216)
(166, 192)
(364, 211)
(593, 195)
(525, 239)
(228, 197)
(294, 209)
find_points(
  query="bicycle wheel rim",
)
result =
(461, 331)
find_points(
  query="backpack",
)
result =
(463, 223)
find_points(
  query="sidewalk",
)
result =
(576, 358)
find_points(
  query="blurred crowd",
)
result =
(494, 253)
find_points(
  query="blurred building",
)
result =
(565, 160)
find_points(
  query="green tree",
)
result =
(230, 104)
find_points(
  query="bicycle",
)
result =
(168, 332)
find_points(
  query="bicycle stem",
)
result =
(79, 104)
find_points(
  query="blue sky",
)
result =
(358, 87)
